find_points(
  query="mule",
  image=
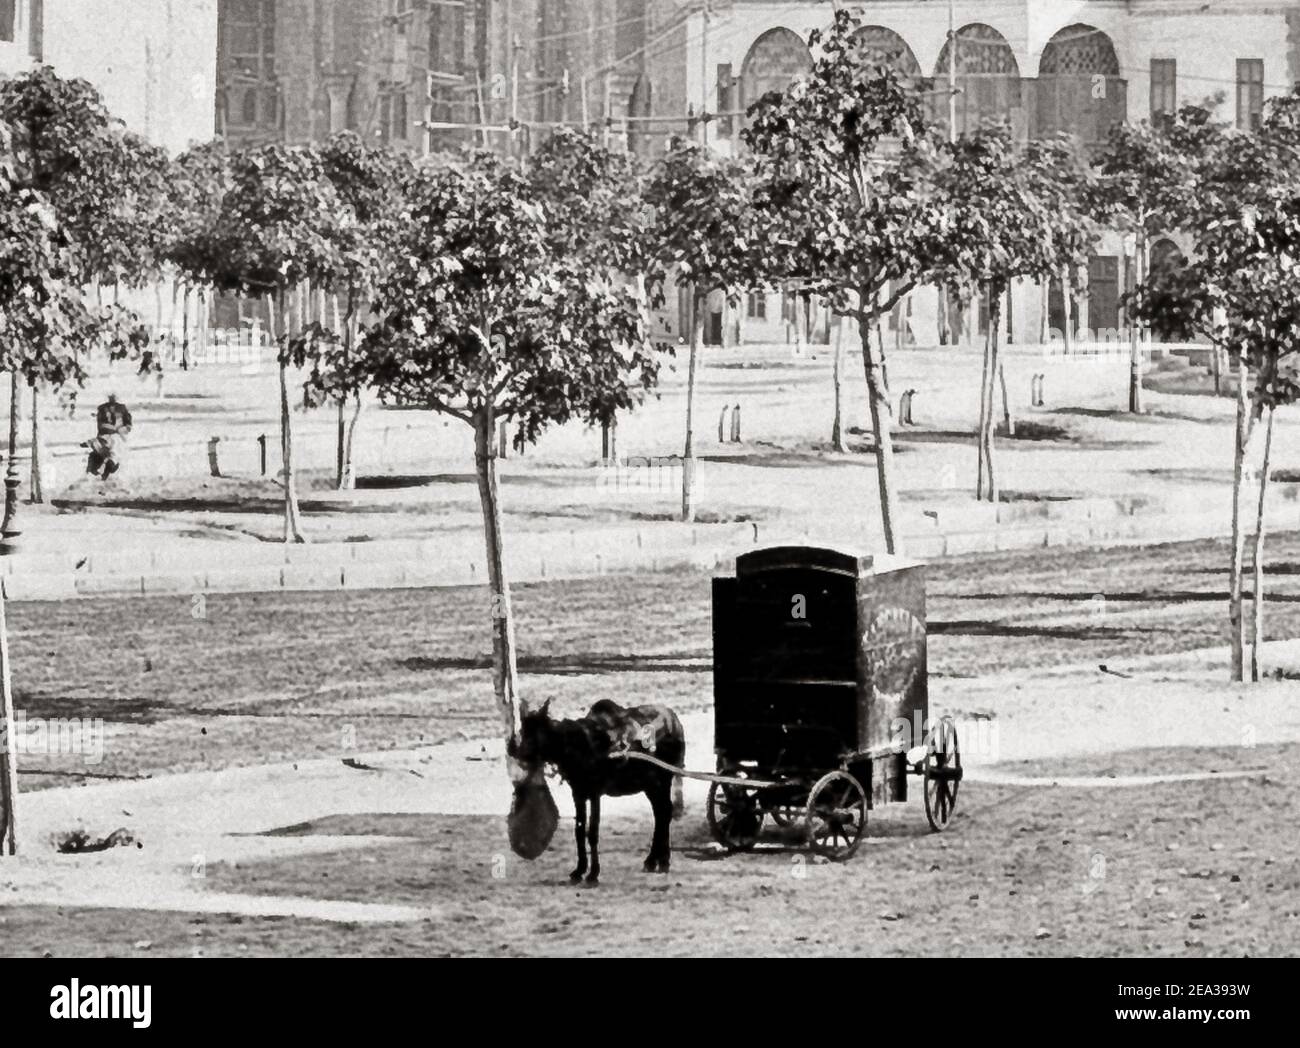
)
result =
(586, 753)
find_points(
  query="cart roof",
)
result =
(824, 558)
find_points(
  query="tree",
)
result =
(279, 227)
(840, 218)
(104, 184)
(370, 182)
(588, 188)
(703, 233)
(46, 335)
(1241, 290)
(1011, 213)
(1147, 185)
(486, 317)
(197, 183)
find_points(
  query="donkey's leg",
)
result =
(593, 838)
(661, 802)
(580, 835)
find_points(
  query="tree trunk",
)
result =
(176, 315)
(37, 495)
(995, 367)
(8, 746)
(878, 401)
(341, 436)
(986, 409)
(185, 329)
(349, 444)
(798, 325)
(1045, 314)
(698, 299)
(1134, 332)
(1007, 416)
(988, 379)
(1067, 305)
(505, 670)
(1242, 435)
(884, 366)
(837, 428)
(13, 480)
(158, 324)
(1257, 620)
(292, 520)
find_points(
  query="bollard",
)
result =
(261, 444)
(1036, 397)
(735, 424)
(905, 408)
(722, 424)
(213, 465)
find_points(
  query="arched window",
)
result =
(640, 104)
(777, 59)
(1165, 257)
(1079, 50)
(1079, 87)
(248, 108)
(884, 47)
(986, 75)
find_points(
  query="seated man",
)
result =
(108, 449)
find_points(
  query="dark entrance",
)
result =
(1103, 294)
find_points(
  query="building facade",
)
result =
(154, 61)
(422, 74)
(405, 73)
(1040, 67)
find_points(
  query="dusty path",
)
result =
(251, 818)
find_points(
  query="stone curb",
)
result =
(449, 570)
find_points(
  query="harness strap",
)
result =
(725, 780)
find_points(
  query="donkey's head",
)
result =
(534, 745)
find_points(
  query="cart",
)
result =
(821, 704)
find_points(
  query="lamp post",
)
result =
(704, 78)
(952, 73)
(13, 479)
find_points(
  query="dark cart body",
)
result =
(819, 668)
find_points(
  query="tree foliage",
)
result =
(485, 310)
(279, 224)
(107, 184)
(587, 190)
(846, 205)
(71, 176)
(703, 226)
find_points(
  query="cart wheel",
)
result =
(735, 816)
(942, 771)
(785, 815)
(836, 819)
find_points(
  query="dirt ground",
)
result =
(288, 676)
(417, 467)
(1186, 869)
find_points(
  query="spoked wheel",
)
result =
(942, 771)
(836, 818)
(735, 816)
(785, 815)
